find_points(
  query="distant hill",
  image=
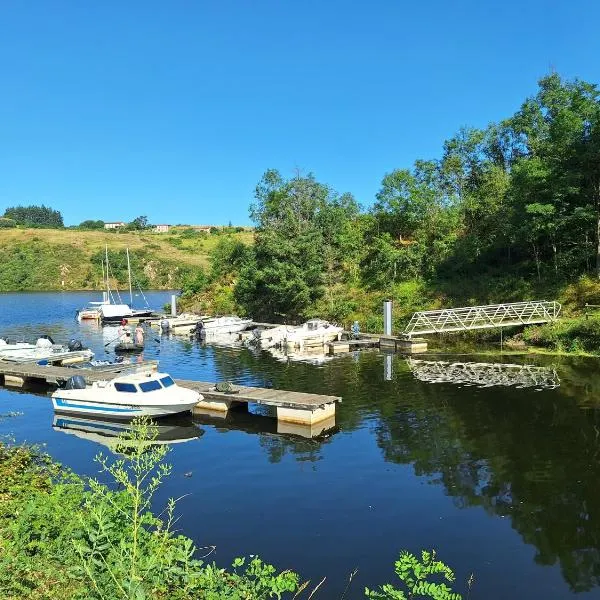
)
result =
(54, 259)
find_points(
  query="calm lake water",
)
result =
(504, 481)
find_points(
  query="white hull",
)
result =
(118, 411)
(312, 339)
(233, 328)
(312, 333)
(31, 353)
(141, 394)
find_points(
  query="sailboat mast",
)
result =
(107, 273)
(104, 294)
(129, 271)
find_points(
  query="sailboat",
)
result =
(112, 313)
(91, 312)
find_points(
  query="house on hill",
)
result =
(114, 225)
(162, 228)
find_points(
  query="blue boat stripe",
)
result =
(61, 403)
(92, 424)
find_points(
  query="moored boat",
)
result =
(314, 331)
(115, 313)
(141, 394)
(44, 349)
(128, 347)
(228, 324)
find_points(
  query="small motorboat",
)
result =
(315, 331)
(128, 348)
(141, 394)
(44, 350)
(91, 312)
(230, 324)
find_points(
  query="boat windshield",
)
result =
(150, 386)
(167, 381)
(125, 387)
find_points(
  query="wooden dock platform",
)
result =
(350, 345)
(291, 407)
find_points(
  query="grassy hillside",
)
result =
(53, 259)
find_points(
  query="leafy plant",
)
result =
(414, 574)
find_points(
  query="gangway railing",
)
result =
(482, 317)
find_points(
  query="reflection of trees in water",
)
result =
(277, 446)
(533, 457)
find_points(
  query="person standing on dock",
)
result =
(139, 334)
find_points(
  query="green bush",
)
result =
(572, 335)
(6, 223)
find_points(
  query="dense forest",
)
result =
(31, 216)
(505, 213)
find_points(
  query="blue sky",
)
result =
(174, 110)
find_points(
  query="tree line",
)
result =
(521, 196)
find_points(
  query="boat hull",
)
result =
(118, 411)
(124, 348)
(88, 315)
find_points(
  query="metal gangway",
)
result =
(484, 374)
(481, 317)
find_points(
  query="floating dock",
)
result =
(291, 407)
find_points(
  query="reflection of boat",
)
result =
(43, 349)
(316, 357)
(150, 393)
(484, 374)
(103, 431)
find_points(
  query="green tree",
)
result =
(138, 224)
(299, 233)
(35, 216)
(91, 224)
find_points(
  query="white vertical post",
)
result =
(387, 317)
(388, 367)
(173, 305)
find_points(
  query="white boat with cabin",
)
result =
(228, 324)
(149, 394)
(315, 331)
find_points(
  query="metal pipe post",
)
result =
(387, 317)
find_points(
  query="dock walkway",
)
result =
(292, 407)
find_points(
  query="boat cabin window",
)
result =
(167, 381)
(125, 387)
(150, 386)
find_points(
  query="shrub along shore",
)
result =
(63, 536)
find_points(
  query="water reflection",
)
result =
(533, 458)
(484, 374)
(172, 430)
